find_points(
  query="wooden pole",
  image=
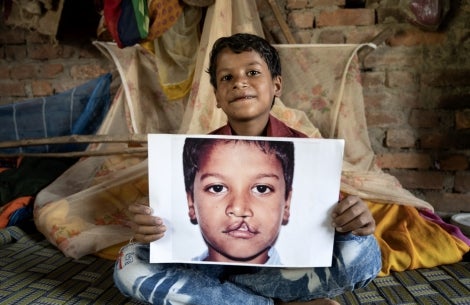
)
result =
(76, 154)
(282, 23)
(136, 138)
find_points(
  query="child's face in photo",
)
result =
(245, 87)
(239, 202)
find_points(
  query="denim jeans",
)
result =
(356, 262)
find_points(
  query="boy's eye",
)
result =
(217, 188)
(253, 73)
(226, 77)
(262, 189)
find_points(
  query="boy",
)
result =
(246, 75)
(239, 192)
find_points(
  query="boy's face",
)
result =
(245, 87)
(239, 202)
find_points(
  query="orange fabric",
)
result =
(408, 241)
(163, 14)
(11, 207)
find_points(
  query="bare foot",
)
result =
(312, 302)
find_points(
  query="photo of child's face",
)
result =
(239, 201)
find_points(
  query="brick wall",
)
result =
(416, 83)
(416, 88)
(32, 65)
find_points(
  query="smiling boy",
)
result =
(239, 192)
(245, 72)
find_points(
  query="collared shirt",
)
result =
(274, 128)
(273, 260)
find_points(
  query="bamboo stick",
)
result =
(75, 154)
(282, 23)
(72, 139)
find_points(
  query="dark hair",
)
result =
(195, 148)
(244, 42)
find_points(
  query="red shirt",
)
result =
(274, 128)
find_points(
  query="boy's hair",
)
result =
(195, 148)
(244, 42)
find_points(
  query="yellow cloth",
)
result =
(408, 241)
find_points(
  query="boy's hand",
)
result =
(147, 228)
(351, 214)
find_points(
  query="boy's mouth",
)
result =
(240, 230)
(242, 98)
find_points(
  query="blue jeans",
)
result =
(356, 262)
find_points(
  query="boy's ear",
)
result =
(286, 210)
(191, 210)
(277, 86)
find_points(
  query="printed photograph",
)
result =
(244, 200)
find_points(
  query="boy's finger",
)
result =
(140, 209)
(345, 204)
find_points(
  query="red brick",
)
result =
(462, 182)
(15, 52)
(89, 51)
(315, 3)
(415, 37)
(462, 119)
(389, 15)
(12, 36)
(446, 78)
(296, 4)
(402, 79)
(4, 72)
(386, 57)
(361, 34)
(424, 118)
(375, 99)
(42, 88)
(68, 51)
(373, 79)
(346, 17)
(303, 36)
(404, 99)
(384, 118)
(331, 36)
(453, 162)
(23, 72)
(67, 84)
(449, 202)
(45, 51)
(12, 89)
(37, 38)
(404, 160)
(301, 19)
(50, 70)
(400, 138)
(86, 71)
(433, 140)
(429, 180)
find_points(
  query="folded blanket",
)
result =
(410, 241)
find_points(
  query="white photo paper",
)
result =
(239, 208)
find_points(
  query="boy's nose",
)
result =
(240, 82)
(239, 207)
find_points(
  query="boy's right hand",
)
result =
(147, 228)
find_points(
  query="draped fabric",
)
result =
(84, 211)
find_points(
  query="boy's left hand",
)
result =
(351, 214)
